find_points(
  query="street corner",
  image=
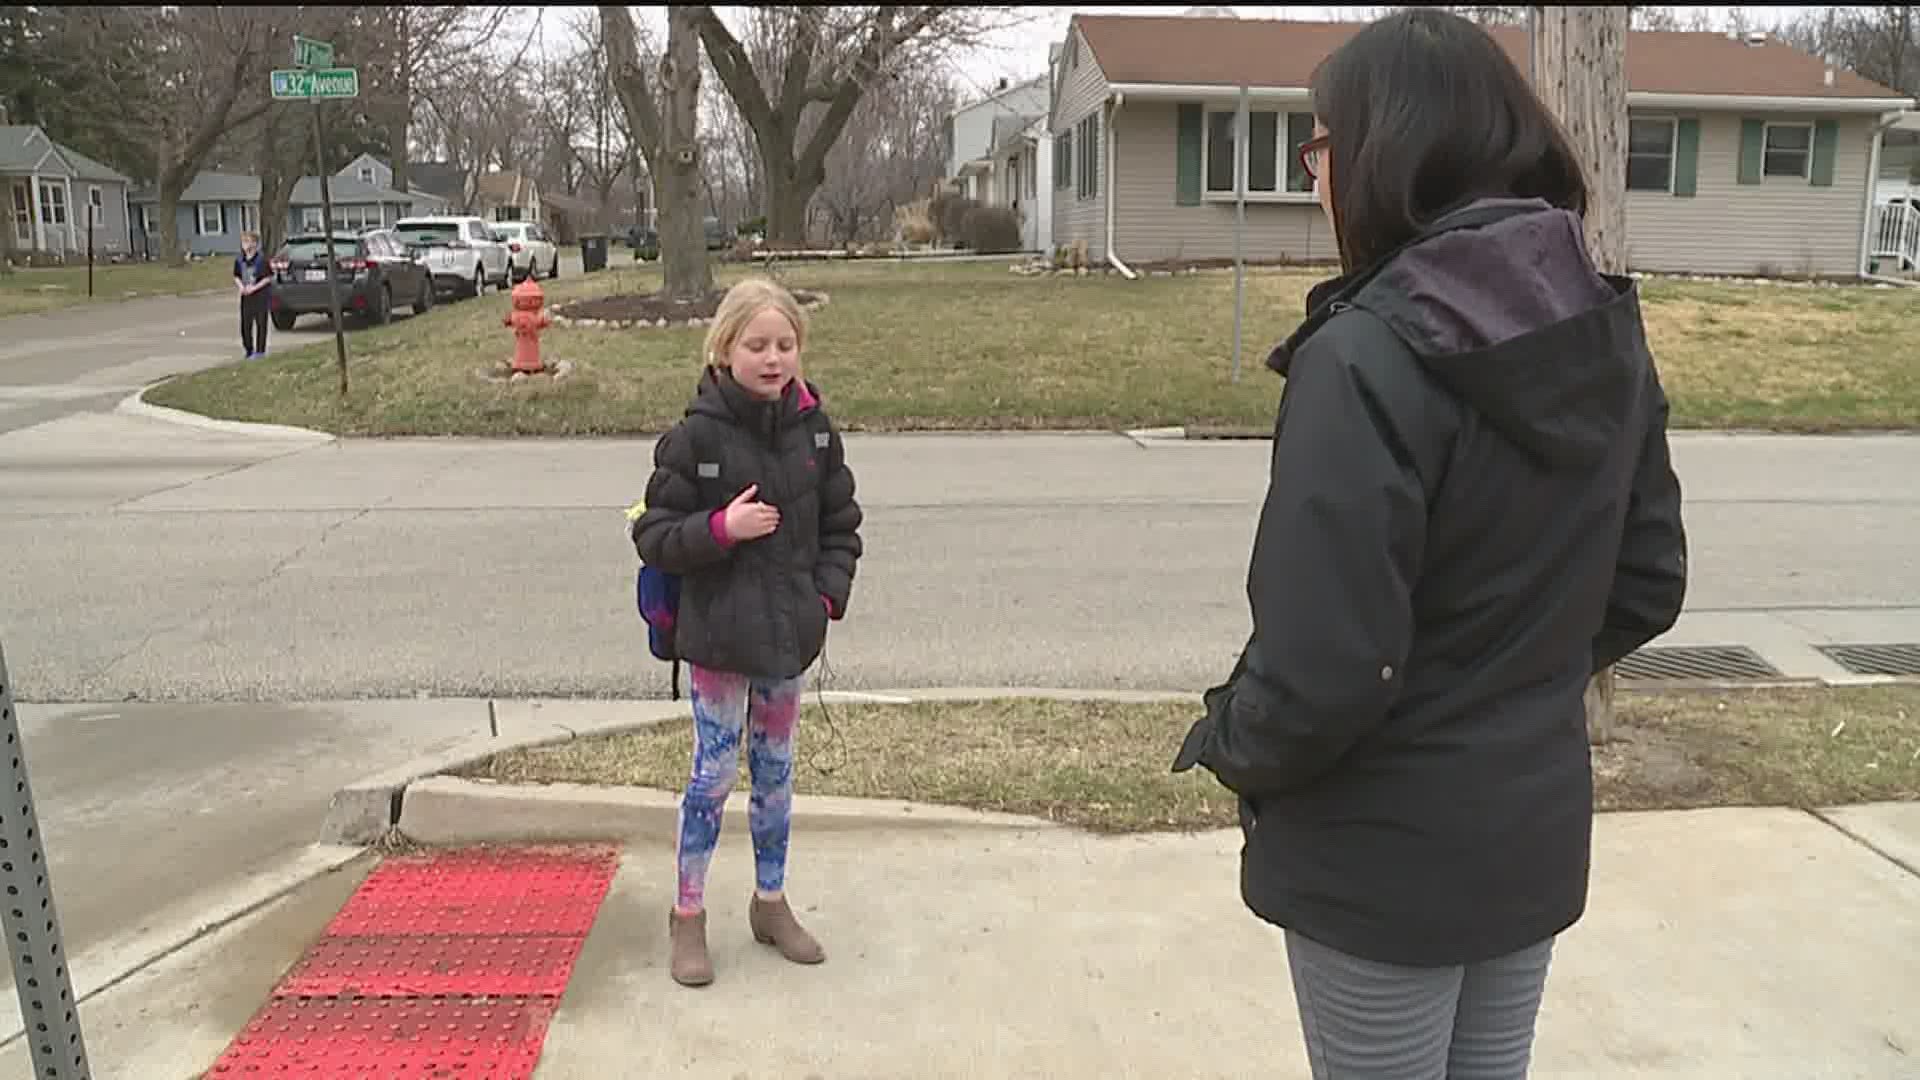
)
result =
(136, 405)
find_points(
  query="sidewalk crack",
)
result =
(1865, 843)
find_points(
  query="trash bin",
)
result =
(593, 251)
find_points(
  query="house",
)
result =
(214, 210)
(425, 200)
(507, 196)
(217, 207)
(1745, 155)
(1899, 174)
(357, 205)
(56, 193)
(1000, 152)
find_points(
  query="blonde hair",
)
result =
(740, 306)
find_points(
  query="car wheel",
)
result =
(479, 283)
(423, 303)
(383, 306)
(553, 271)
(283, 320)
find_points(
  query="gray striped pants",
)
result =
(1365, 1020)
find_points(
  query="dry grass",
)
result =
(1104, 766)
(970, 346)
(29, 290)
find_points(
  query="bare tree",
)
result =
(890, 153)
(666, 122)
(1580, 55)
(830, 56)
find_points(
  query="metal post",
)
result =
(333, 263)
(47, 1009)
(89, 250)
(1243, 155)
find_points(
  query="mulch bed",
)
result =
(653, 309)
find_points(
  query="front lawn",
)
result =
(971, 346)
(28, 290)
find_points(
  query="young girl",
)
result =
(751, 503)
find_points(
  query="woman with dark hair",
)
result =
(1470, 511)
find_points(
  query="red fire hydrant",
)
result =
(527, 319)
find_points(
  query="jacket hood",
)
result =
(1501, 303)
(720, 397)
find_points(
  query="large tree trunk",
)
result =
(788, 197)
(676, 170)
(1580, 57)
(171, 188)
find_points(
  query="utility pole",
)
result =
(1580, 72)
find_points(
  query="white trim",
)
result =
(1640, 98)
(73, 235)
(1886, 121)
(1724, 102)
(33, 190)
(1766, 129)
(1673, 152)
(1243, 158)
(1107, 145)
(200, 219)
(126, 208)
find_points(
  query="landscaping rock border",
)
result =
(811, 300)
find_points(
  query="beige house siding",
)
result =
(1083, 89)
(1779, 226)
(1784, 226)
(1149, 226)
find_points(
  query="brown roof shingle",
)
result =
(1280, 53)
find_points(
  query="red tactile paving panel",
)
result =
(425, 966)
(391, 1039)
(497, 892)
(444, 965)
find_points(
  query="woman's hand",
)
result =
(750, 520)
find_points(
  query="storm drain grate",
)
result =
(1674, 663)
(1902, 659)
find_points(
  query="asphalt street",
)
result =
(188, 615)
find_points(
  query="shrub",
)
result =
(952, 218)
(914, 222)
(991, 230)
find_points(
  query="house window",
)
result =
(53, 204)
(311, 218)
(210, 223)
(355, 218)
(1789, 151)
(22, 212)
(366, 174)
(1273, 141)
(506, 213)
(1089, 142)
(249, 218)
(1063, 161)
(1650, 142)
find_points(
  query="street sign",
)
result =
(308, 53)
(324, 83)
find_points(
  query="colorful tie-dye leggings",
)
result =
(721, 713)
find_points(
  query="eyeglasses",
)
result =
(1310, 150)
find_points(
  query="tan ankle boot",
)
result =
(691, 965)
(773, 924)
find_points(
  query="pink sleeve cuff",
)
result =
(717, 525)
(829, 603)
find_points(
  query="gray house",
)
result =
(1744, 156)
(217, 207)
(214, 210)
(55, 193)
(425, 183)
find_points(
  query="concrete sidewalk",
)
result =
(1725, 943)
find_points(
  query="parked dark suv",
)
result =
(375, 273)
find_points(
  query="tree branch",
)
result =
(630, 80)
(880, 43)
(735, 69)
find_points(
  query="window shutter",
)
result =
(1187, 157)
(1826, 139)
(1753, 138)
(1686, 157)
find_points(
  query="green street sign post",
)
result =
(308, 53)
(315, 79)
(298, 85)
